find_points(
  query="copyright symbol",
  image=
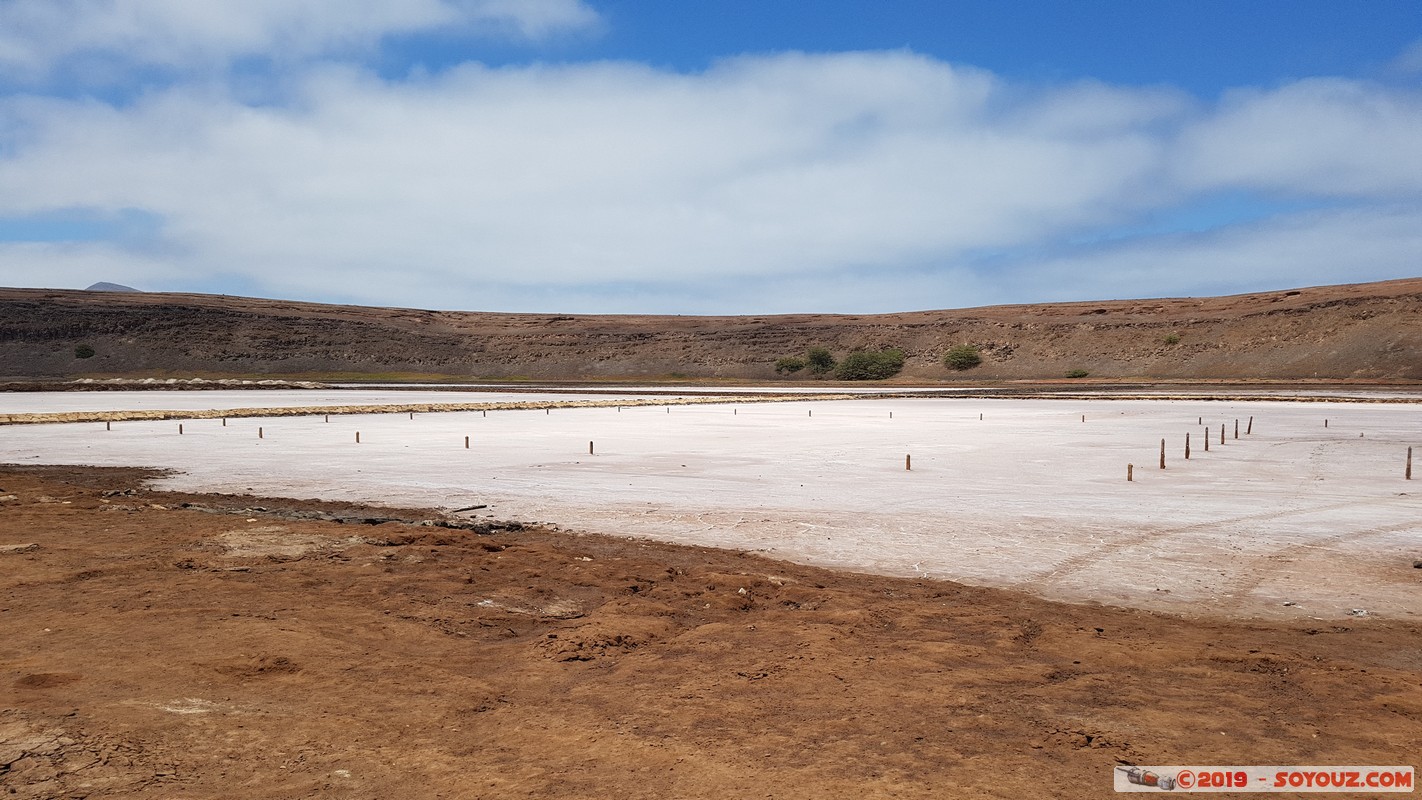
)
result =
(1185, 780)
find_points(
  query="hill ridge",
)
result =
(1354, 331)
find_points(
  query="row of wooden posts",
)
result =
(908, 458)
(1131, 468)
(108, 426)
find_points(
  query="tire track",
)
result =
(1265, 566)
(1078, 563)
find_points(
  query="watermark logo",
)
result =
(1263, 779)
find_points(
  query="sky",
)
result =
(709, 157)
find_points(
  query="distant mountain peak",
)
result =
(105, 286)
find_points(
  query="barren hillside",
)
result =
(1360, 331)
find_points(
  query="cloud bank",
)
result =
(872, 181)
(40, 37)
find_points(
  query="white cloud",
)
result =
(1303, 249)
(64, 265)
(849, 182)
(1409, 61)
(38, 36)
(609, 171)
(1313, 137)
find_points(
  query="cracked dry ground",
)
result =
(149, 651)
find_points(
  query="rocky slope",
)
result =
(1370, 331)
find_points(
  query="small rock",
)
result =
(8, 497)
(1290, 603)
(18, 548)
(1357, 612)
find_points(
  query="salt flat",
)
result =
(1294, 519)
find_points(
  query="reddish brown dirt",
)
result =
(149, 651)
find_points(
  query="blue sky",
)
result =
(635, 156)
(1203, 47)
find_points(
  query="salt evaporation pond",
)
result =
(1293, 519)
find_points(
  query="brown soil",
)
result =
(1370, 331)
(153, 651)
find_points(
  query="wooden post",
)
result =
(1187, 445)
(1130, 472)
(980, 417)
(486, 413)
(908, 461)
(1207, 440)
(357, 437)
(328, 417)
(1199, 420)
(810, 412)
(1325, 423)
(891, 415)
(180, 429)
(1083, 417)
(547, 411)
(466, 443)
(1221, 433)
(108, 426)
(259, 433)
(1250, 429)
(1236, 429)
(412, 415)
(224, 422)
(1162, 454)
(590, 448)
(1409, 464)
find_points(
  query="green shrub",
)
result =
(819, 360)
(789, 365)
(1171, 338)
(867, 365)
(1077, 373)
(964, 356)
(83, 351)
